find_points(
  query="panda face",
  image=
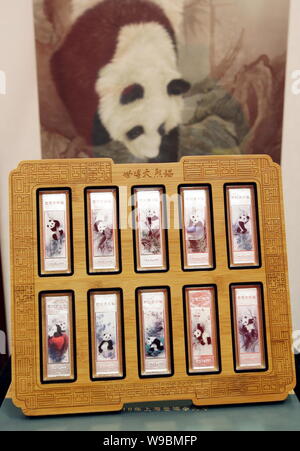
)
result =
(100, 226)
(246, 320)
(244, 218)
(197, 333)
(53, 224)
(195, 219)
(106, 337)
(141, 90)
(62, 325)
(150, 340)
(150, 213)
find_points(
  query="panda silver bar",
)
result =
(249, 337)
(150, 229)
(196, 227)
(201, 330)
(103, 234)
(242, 226)
(54, 232)
(57, 337)
(154, 332)
(107, 353)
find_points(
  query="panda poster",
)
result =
(202, 330)
(57, 336)
(248, 327)
(150, 232)
(243, 234)
(197, 228)
(106, 336)
(154, 333)
(169, 78)
(102, 224)
(54, 232)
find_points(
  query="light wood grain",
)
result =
(86, 396)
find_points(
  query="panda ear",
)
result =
(178, 86)
(132, 93)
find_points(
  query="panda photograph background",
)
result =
(155, 80)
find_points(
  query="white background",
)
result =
(20, 139)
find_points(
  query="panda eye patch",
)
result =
(162, 130)
(135, 132)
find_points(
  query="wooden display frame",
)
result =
(85, 395)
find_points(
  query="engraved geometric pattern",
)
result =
(37, 399)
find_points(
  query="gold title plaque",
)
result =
(77, 290)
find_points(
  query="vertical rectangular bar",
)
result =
(196, 227)
(57, 336)
(248, 326)
(150, 235)
(54, 232)
(201, 326)
(242, 226)
(106, 334)
(154, 332)
(102, 223)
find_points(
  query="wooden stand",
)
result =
(85, 395)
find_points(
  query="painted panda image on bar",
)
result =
(248, 327)
(196, 227)
(201, 326)
(57, 337)
(154, 332)
(102, 230)
(54, 232)
(149, 224)
(106, 334)
(242, 226)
